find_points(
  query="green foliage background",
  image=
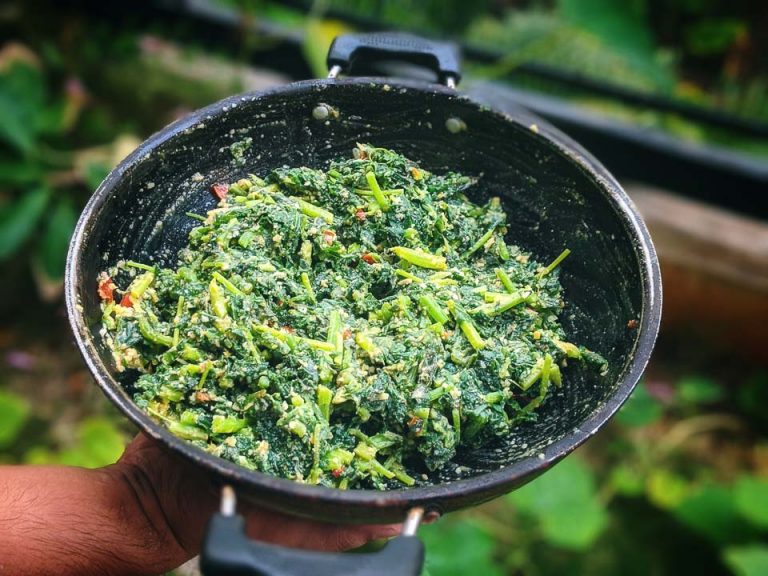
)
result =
(677, 483)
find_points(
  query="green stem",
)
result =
(228, 284)
(155, 337)
(218, 302)
(456, 416)
(466, 326)
(308, 287)
(555, 263)
(378, 195)
(408, 275)
(140, 285)
(336, 335)
(315, 211)
(324, 397)
(505, 280)
(433, 309)
(140, 266)
(480, 243)
(420, 258)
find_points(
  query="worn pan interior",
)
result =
(556, 197)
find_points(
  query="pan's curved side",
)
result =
(553, 191)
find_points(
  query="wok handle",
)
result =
(227, 551)
(349, 53)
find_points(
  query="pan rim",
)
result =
(428, 496)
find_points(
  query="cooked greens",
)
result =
(353, 327)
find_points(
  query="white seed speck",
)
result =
(455, 125)
(321, 112)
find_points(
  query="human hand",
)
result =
(143, 515)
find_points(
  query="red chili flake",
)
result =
(220, 191)
(416, 425)
(337, 472)
(368, 258)
(289, 330)
(347, 333)
(280, 303)
(126, 301)
(329, 236)
(106, 290)
(632, 324)
(202, 396)
(360, 215)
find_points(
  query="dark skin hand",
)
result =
(144, 515)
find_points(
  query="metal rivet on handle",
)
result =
(412, 521)
(228, 501)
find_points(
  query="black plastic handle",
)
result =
(355, 54)
(227, 551)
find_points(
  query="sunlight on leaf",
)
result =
(627, 481)
(751, 496)
(456, 547)
(99, 443)
(52, 249)
(13, 414)
(747, 560)
(565, 503)
(711, 512)
(641, 409)
(18, 219)
(21, 105)
(317, 39)
(696, 390)
(101, 440)
(666, 489)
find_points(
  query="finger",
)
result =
(295, 532)
(188, 499)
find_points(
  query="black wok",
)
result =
(555, 194)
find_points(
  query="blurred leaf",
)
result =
(13, 413)
(565, 503)
(641, 409)
(749, 560)
(20, 172)
(99, 443)
(627, 481)
(714, 36)
(456, 547)
(666, 489)
(576, 528)
(40, 455)
(751, 496)
(621, 25)
(318, 35)
(22, 94)
(52, 249)
(95, 173)
(696, 390)
(18, 219)
(101, 440)
(712, 513)
(546, 37)
(753, 396)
